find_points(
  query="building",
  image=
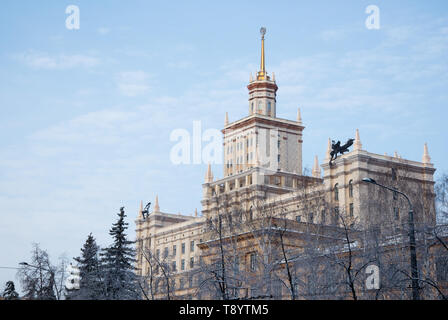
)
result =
(263, 173)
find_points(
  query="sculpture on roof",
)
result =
(336, 149)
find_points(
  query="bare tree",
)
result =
(40, 279)
(219, 266)
(441, 190)
(159, 277)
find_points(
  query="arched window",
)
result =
(269, 108)
(336, 192)
(350, 188)
(252, 108)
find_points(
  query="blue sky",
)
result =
(86, 115)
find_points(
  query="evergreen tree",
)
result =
(118, 264)
(10, 291)
(91, 282)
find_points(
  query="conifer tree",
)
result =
(118, 264)
(91, 282)
(10, 291)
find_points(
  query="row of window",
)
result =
(260, 107)
(336, 190)
(239, 145)
(336, 210)
(324, 215)
(166, 250)
(182, 264)
(239, 160)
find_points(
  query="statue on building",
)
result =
(145, 211)
(338, 149)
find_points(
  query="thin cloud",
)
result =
(103, 31)
(40, 60)
(133, 83)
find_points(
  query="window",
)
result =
(158, 253)
(253, 293)
(397, 213)
(278, 143)
(192, 246)
(181, 283)
(252, 107)
(336, 215)
(277, 289)
(350, 188)
(269, 108)
(336, 192)
(174, 250)
(278, 158)
(394, 174)
(183, 248)
(191, 262)
(442, 269)
(236, 264)
(182, 264)
(298, 218)
(252, 261)
(323, 216)
(235, 292)
(395, 195)
(351, 210)
(174, 266)
(311, 217)
(165, 253)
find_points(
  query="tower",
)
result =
(276, 143)
(262, 90)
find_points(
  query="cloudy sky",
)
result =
(86, 115)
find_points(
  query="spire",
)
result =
(226, 121)
(299, 116)
(327, 155)
(262, 73)
(357, 144)
(273, 76)
(396, 154)
(316, 168)
(140, 211)
(250, 78)
(209, 174)
(156, 204)
(426, 158)
(196, 212)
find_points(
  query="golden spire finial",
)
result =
(262, 73)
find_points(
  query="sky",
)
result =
(86, 114)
